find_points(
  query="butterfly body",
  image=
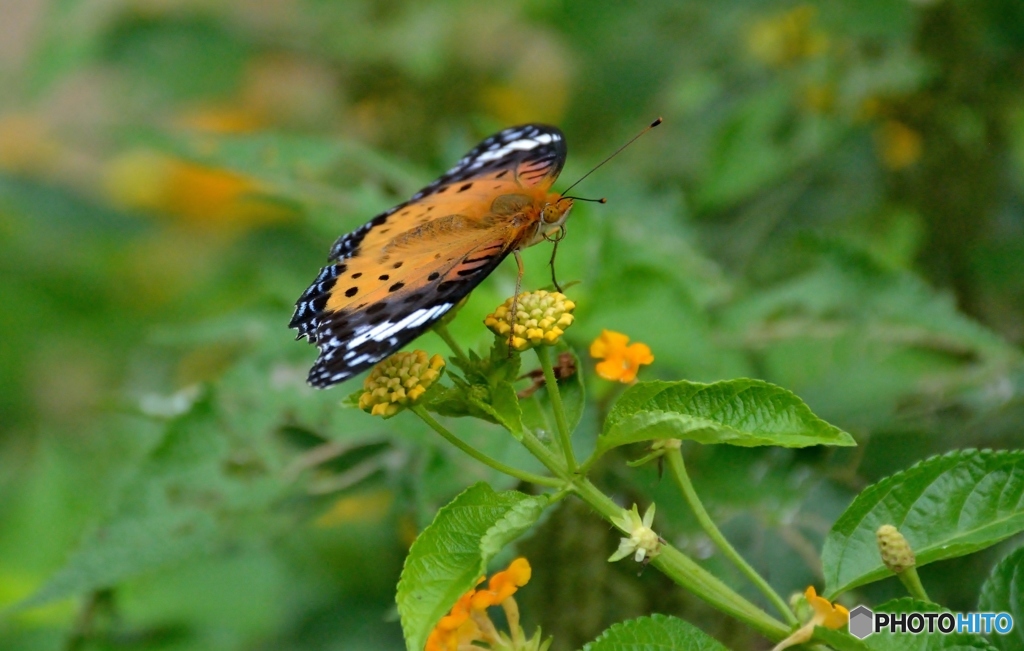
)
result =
(392, 278)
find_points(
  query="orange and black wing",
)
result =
(395, 276)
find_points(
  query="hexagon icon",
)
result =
(862, 622)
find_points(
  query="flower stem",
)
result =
(675, 463)
(564, 436)
(521, 475)
(442, 331)
(912, 582)
(686, 573)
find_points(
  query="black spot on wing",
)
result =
(353, 340)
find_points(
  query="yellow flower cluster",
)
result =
(467, 621)
(399, 381)
(787, 38)
(540, 317)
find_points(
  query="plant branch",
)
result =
(442, 331)
(561, 423)
(688, 574)
(521, 475)
(675, 463)
(913, 584)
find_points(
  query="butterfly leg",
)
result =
(555, 239)
(515, 302)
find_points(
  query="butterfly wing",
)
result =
(395, 276)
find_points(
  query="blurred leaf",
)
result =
(193, 492)
(738, 412)
(945, 507)
(654, 632)
(1003, 592)
(925, 641)
(452, 553)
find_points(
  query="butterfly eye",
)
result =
(551, 213)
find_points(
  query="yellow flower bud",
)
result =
(894, 548)
(541, 317)
(399, 381)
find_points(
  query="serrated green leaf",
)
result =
(924, 641)
(1003, 592)
(505, 406)
(740, 412)
(654, 633)
(945, 507)
(513, 524)
(452, 553)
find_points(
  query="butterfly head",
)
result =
(555, 212)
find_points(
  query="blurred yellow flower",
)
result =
(366, 507)
(399, 381)
(194, 194)
(222, 120)
(826, 614)
(898, 145)
(26, 146)
(818, 98)
(621, 361)
(787, 38)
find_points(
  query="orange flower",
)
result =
(503, 584)
(467, 621)
(826, 614)
(621, 361)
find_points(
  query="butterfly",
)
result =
(395, 276)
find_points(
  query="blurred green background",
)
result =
(835, 203)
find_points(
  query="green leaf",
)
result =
(1003, 592)
(839, 640)
(924, 641)
(505, 406)
(740, 412)
(654, 633)
(452, 553)
(945, 507)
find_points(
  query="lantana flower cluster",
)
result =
(467, 622)
(399, 381)
(540, 318)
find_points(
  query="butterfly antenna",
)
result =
(601, 200)
(614, 154)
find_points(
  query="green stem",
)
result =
(686, 573)
(545, 455)
(564, 435)
(442, 331)
(521, 475)
(675, 463)
(913, 584)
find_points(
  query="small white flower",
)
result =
(643, 543)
